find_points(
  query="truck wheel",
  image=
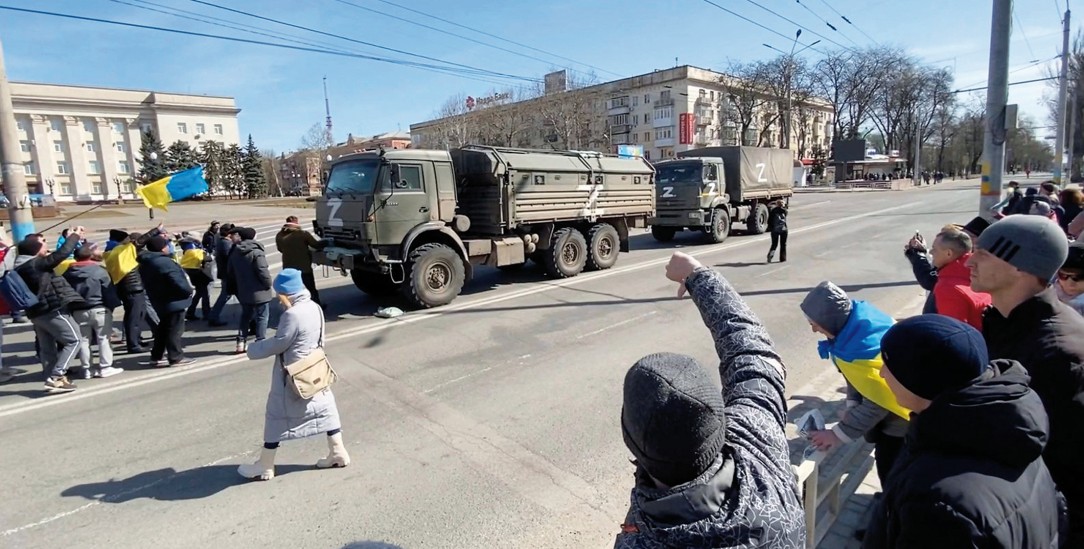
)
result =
(758, 219)
(567, 254)
(435, 276)
(720, 225)
(663, 234)
(604, 245)
(374, 284)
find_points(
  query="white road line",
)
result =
(803, 206)
(612, 326)
(419, 316)
(773, 271)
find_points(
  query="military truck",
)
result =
(708, 189)
(417, 222)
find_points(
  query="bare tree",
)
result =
(851, 81)
(746, 97)
(574, 119)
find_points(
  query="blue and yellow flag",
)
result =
(173, 188)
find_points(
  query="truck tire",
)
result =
(720, 226)
(434, 276)
(758, 219)
(603, 246)
(567, 254)
(374, 284)
(663, 234)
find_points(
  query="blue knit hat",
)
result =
(288, 282)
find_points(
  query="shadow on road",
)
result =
(846, 287)
(169, 484)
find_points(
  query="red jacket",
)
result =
(954, 296)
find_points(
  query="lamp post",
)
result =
(116, 181)
(50, 182)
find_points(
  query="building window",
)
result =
(635, 100)
(118, 127)
(56, 125)
(93, 168)
(91, 147)
(129, 186)
(647, 137)
(62, 168)
(635, 138)
(201, 129)
(218, 129)
(30, 169)
(647, 118)
(24, 146)
(88, 126)
(58, 146)
(664, 133)
(647, 98)
(96, 187)
(182, 127)
(66, 188)
(21, 125)
(121, 146)
(145, 127)
(122, 167)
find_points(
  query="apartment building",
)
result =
(665, 112)
(82, 143)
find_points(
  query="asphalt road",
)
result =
(492, 422)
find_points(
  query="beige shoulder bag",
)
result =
(311, 373)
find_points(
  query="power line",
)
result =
(1010, 83)
(813, 32)
(424, 66)
(1021, 68)
(347, 38)
(771, 30)
(1022, 33)
(848, 21)
(831, 26)
(502, 39)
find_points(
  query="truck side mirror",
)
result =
(395, 175)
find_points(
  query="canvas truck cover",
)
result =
(751, 172)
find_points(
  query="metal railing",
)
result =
(824, 491)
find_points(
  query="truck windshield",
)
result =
(354, 177)
(679, 173)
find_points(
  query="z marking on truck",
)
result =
(668, 192)
(333, 219)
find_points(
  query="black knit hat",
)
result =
(247, 233)
(673, 418)
(1075, 260)
(117, 235)
(30, 246)
(933, 354)
(158, 243)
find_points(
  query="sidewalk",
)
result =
(855, 515)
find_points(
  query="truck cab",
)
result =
(691, 195)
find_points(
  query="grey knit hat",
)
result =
(829, 306)
(1033, 244)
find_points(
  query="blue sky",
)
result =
(280, 91)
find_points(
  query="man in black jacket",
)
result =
(971, 473)
(249, 278)
(1015, 261)
(223, 246)
(712, 469)
(777, 224)
(53, 324)
(170, 294)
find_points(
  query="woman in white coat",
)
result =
(288, 416)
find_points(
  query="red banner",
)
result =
(686, 128)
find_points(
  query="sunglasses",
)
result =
(1073, 277)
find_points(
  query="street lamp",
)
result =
(50, 182)
(116, 181)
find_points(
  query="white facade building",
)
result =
(78, 143)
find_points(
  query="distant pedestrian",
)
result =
(971, 474)
(250, 280)
(95, 315)
(288, 416)
(853, 330)
(226, 239)
(170, 294)
(210, 237)
(56, 331)
(197, 266)
(296, 246)
(712, 469)
(777, 224)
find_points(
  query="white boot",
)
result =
(337, 456)
(264, 469)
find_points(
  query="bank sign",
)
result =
(473, 102)
(686, 128)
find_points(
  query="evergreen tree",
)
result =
(180, 156)
(233, 174)
(211, 156)
(255, 182)
(152, 158)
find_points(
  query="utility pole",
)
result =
(997, 96)
(917, 180)
(19, 213)
(1063, 87)
(1071, 139)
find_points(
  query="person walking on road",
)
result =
(210, 238)
(288, 416)
(971, 474)
(56, 331)
(1015, 261)
(250, 280)
(95, 316)
(121, 262)
(712, 468)
(777, 224)
(197, 265)
(223, 246)
(854, 329)
(170, 293)
(296, 246)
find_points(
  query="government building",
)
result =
(82, 143)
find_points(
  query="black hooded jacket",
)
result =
(971, 474)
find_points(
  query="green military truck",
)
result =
(417, 222)
(708, 189)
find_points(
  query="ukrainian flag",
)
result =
(173, 188)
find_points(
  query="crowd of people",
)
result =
(161, 281)
(974, 407)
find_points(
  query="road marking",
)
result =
(546, 286)
(619, 324)
(773, 271)
(803, 206)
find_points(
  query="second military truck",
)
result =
(416, 222)
(708, 189)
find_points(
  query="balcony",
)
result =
(668, 142)
(704, 101)
(662, 122)
(620, 129)
(702, 141)
(618, 109)
(669, 101)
